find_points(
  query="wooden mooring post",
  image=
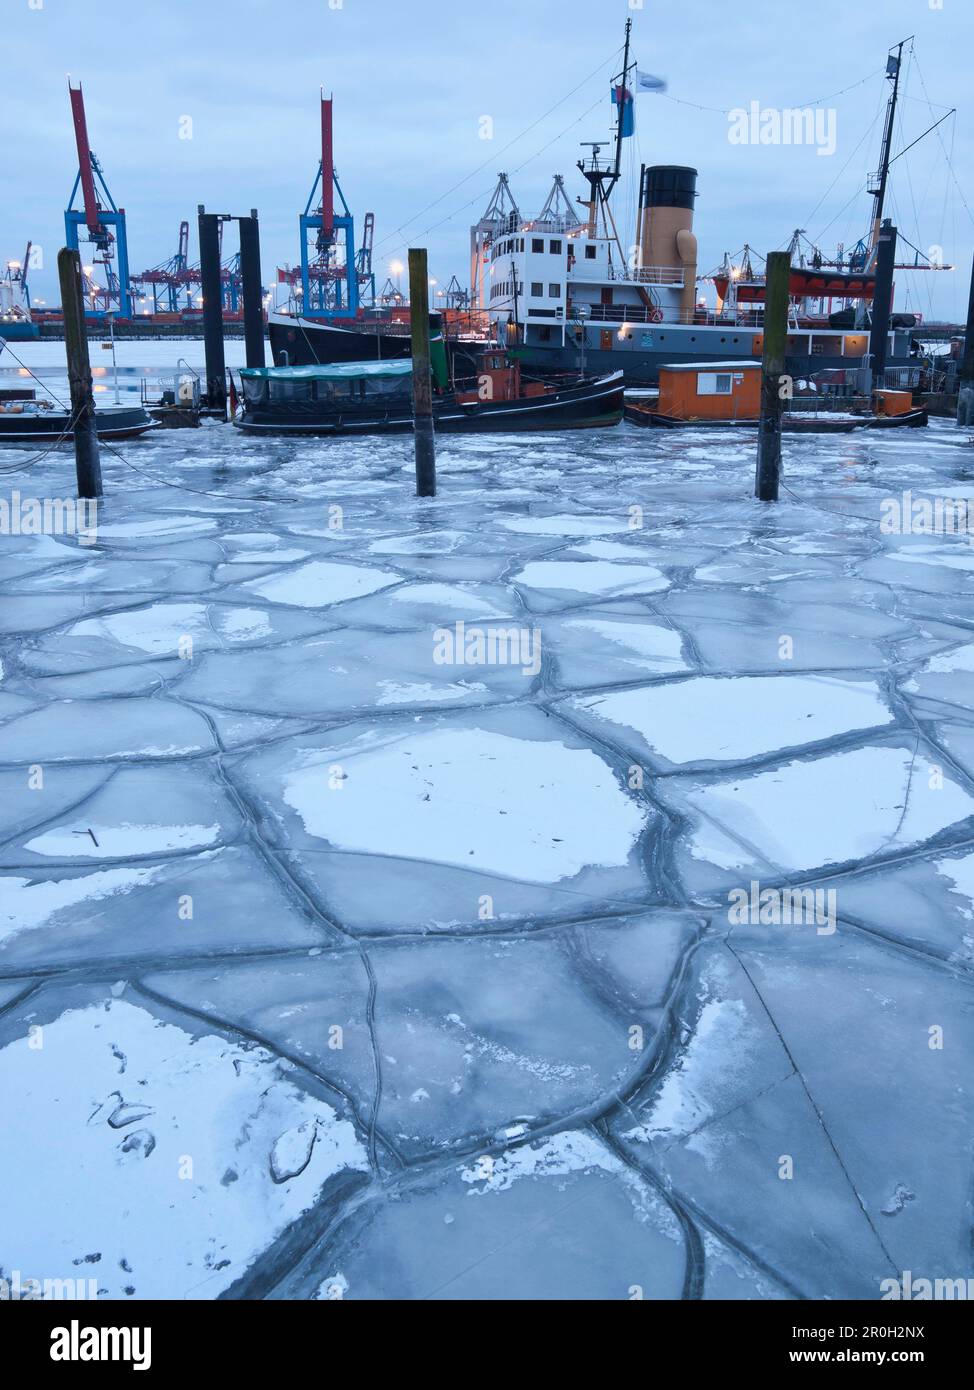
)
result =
(965, 382)
(419, 320)
(768, 473)
(87, 457)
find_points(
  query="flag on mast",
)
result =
(622, 99)
(646, 82)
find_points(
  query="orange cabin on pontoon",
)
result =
(710, 391)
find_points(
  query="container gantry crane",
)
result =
(329, 271)
(363, 261)
(103, 223)
(166, 282)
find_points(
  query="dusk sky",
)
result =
(412, 82)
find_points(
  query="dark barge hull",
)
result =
(122, 422)
(822, 425)
(588, 405)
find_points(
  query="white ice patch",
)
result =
(163, 526)
(25, 904)
(591, 577)
(423, 693)
(321, 582)
(959, 873)
(117, 841)
(827, 810)
(945, 663)
(684, 1100)
(536, 811)
(653, 648)
(240, 624)
(449, 595)
(180, 1187)
(156, 629)
(565, 525)
(267, 557)
(572, 1151)
(425, 543)
(714, 718)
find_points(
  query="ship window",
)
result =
(555, 248)
(289, 390)
(554, 291)
(537, 289)
(537, 244)
(254, 389)
(590, 253)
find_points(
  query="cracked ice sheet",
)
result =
(217, 903)
(345, 672)
(111, 1107)
(560, 1218)
(322, 582)
(427, 815)
(600, 647)
(425, 805)
(141, 811)
(728, 1104)
(913, 1179)
(823, 810)
(112, 729)
(471, 1032)
(716, 719)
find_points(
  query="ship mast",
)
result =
(602, 179)
(876, 185)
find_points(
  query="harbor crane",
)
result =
(101, 222)
(331, 272)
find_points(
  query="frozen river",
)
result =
(370, 918)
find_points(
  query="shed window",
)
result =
(714, 383)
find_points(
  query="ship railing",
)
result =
(641, 313)
(899, 379)
(644, 274)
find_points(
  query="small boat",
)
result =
(26, 420)
(347, 398)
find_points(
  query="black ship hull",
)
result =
(589, 404)
(301, 342)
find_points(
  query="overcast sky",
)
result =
(413, 81)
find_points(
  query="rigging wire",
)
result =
(496, 154)
(726, 111)
(950, 163)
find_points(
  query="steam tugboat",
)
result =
(563, 288)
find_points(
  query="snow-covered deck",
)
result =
(329, 968)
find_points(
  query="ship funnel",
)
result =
(666, 197)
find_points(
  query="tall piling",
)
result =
(768, 473)
(87, 457)
(422, 380)
(965, 382)
(253, 307)
(212, 289)
(882, 302)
